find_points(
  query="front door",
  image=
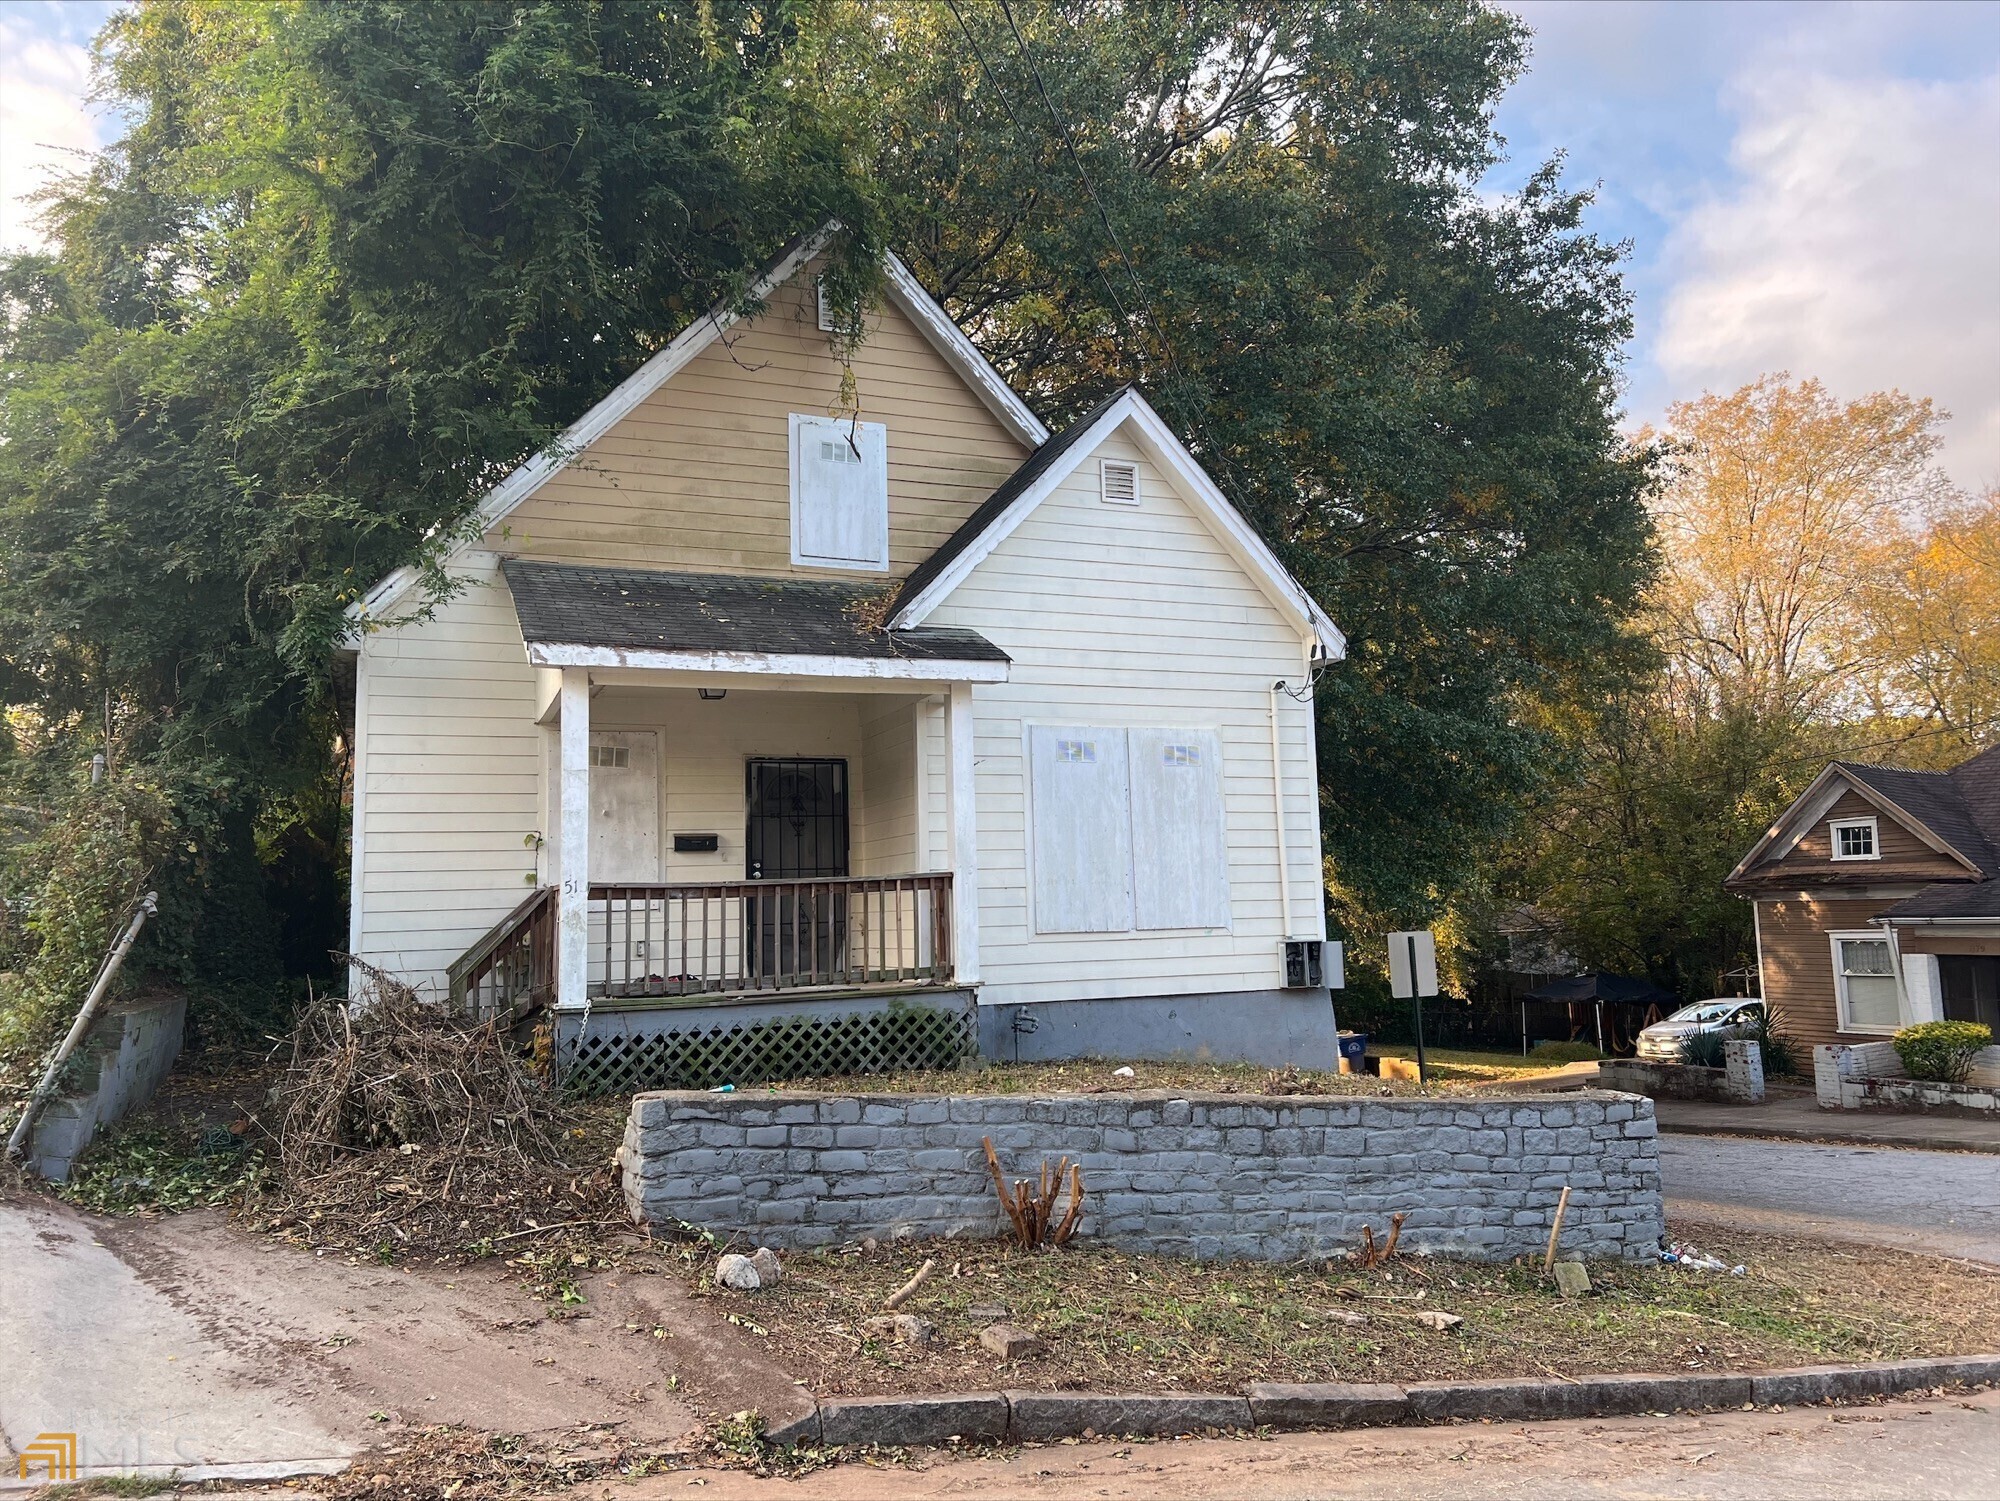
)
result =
(797, 831)
(625, 806)
(1971, 985)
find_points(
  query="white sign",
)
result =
(1334, 959)
(1408, 978)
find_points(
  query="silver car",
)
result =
(1661, 1042)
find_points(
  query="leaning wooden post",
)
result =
(1555, 1230)
(17, 1144)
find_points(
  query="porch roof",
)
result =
(650, 611)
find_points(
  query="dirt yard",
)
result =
(1109, 1320)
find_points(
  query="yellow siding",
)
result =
(698, 476)
(885, 794)
(1119, 617)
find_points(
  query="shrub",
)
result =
(1703, 1049)
(1941, 1051)
(1565, 1052)
(1783, 1057)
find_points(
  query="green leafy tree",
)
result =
(349, 264)
(353, 260)
(1265, 214)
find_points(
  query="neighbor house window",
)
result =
(1864, 980)
(1854, 839)
(840, 493)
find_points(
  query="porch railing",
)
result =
(747, 936)
(513, 968)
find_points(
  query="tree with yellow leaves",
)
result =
(1785, 512)
(1930, 628)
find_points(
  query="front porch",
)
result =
(732, 825)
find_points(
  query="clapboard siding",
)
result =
(698, 475)
(1903, 854)
(885, 795)
(1135, 616)
(1796, 958)
(450, 772)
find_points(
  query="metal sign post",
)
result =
(1413, 974)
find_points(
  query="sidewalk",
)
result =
(1801, 1119)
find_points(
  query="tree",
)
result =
(1266, 214)
(1929, 626)
(353, 261)
(1823, 593)
(1779, 521)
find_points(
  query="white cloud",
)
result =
(1861, 245)
(43, 122)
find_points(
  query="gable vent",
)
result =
(1120, 483)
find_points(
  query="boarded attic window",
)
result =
(840, 493)
(1120, 483)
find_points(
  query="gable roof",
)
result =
(1955, 812)
(900, 286)
(937, 576)
(995, 506)
(646, 610)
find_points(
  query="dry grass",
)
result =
(1116, 1321)
(1097, 1076)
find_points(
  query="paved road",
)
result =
(1935, 1449)
(1948, 1202)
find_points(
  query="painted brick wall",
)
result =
(1208, 1176)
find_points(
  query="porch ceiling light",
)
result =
(713, 695)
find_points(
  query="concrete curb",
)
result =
(1019, 1416)
(1833, 1136)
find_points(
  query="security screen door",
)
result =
(797, 831)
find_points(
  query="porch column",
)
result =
(964, 835)
(1924, 986)
(573, 905)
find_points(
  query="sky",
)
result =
(1810, 186)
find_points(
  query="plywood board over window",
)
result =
(1082, 829)
(840, 492)
(1180, 858)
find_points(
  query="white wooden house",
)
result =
(762, 701)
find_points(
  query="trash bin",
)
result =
(1353, 1048)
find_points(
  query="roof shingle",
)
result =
(635, 609)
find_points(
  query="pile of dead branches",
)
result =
(393, 1070)
(399, 1127)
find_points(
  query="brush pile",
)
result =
(401, 1129)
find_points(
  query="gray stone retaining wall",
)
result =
(1209, 1176)
(130, 1048)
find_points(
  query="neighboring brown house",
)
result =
(1878, 900)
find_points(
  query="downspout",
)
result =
(1278, 807)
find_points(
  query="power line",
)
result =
(1190, 413)
(1007, 104)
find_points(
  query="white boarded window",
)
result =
(1118, 482)
(1082, 828)
(1180, 858)
(840, 492)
